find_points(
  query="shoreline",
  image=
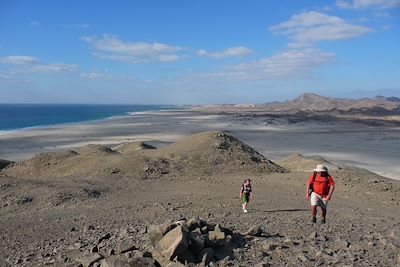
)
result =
(88, 120)
(341, 143)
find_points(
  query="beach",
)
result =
(374, 148)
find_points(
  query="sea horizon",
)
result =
(24, 116)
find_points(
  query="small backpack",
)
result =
(246, 189)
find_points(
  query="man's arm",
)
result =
(308, 191)
(331, 189)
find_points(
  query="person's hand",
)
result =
(307, 196)
(327, 198)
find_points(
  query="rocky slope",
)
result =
(179, 206)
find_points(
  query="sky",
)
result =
(197, 52)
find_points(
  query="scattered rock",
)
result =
(104, 237)
(255, 231)
(187, 257)
(205, 256)
(126, 246)
(87, 259)
(117, 261)
(193, 223)
(197, 242)
(88, 228)
(288, 242)
(394, 237)
(216, 238)
(341, 244)
(268, 246)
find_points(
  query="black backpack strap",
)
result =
(311, 188)
(313, 178)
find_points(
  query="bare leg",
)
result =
(245, 207)
(314, 213)
(323, 215)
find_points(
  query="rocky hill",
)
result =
(198, 154)
(299, 163)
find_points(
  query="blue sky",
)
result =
(197, 52)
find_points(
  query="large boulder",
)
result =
(174, 243)
(156, 232)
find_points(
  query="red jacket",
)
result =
(321, 184)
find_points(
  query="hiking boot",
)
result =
(314, 220)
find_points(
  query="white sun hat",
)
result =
(321, 168)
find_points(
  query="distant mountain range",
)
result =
(377, 110)
(313, 102)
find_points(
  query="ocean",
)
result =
(20, 116)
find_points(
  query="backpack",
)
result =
(246, 189)
(312, 184)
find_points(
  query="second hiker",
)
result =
(246, 194)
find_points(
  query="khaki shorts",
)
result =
(316, 200)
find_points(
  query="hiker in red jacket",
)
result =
(320, 187)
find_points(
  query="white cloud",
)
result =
(18, 60)
(381, 14)
(171, 58)
(104, 75)
(238, 51)
(34, 23)
(111, 48)
(285, 65)
(4, 76)
(79, 25)
(308, 28)
(54, 68)
(364, 4)
(28, 64)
